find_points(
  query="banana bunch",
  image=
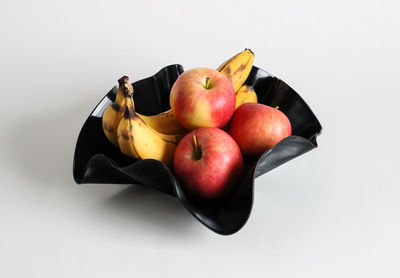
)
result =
(156, 136)
(137, 135)
(163, 123)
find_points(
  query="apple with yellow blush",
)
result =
(202, 97)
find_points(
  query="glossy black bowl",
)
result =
(96, 160)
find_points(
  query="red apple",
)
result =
(202, 97)
(208, 163)
(258, 127)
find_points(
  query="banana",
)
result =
(114, 112)
(137, 139)
(164, 123)
(245, 94)
(238, 68)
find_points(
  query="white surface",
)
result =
(333, 212)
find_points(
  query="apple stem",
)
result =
(196, 147)
(207, 85)
(277, 107)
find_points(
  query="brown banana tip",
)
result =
(124, 79)
(250, 51)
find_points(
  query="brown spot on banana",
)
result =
(117, 107)
(227, 72)
(239, 69)
(125, 135)
(221, 67)
(128, 115)
(108, 128)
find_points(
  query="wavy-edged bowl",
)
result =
(96, 160)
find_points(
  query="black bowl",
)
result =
(96, 160)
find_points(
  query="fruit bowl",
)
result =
(96, 160)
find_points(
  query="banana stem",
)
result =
(130, 111)
(124, 79)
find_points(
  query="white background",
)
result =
(333, 212)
